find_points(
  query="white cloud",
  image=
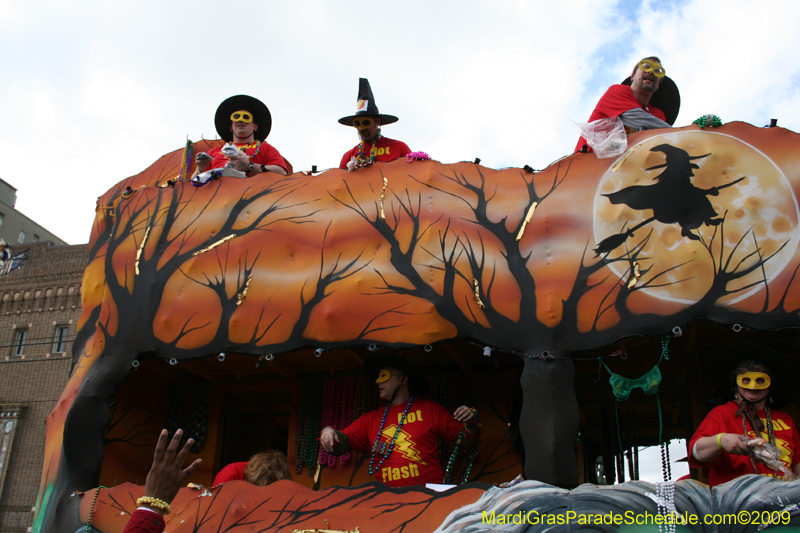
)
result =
(110, 87)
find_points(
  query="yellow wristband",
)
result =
(154, 502)
(719, 440)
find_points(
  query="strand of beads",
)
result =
(255, 144)
(381, 448)
(666, 468)
(474, 425)
(305, 438)
(299, 439)
(708, 120)
(313, 427)
(176, 408)
(468, 466)
(629, 457)
(362, 160)
(441, 397)
(329, 417)
(419, 156)
(620, 468)
(346, 410)
(364, 390)
(448, 472)
(665, 497)
(91, 509)
(186, 161)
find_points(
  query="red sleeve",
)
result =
(449, 427)
(796, 441)
(404, 149)
(711, 425)
(143, 521)
(231, 472)
(656, 112)
(217, 159)
(347, 157)
(358, 432)
(268, 155)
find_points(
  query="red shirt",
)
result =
(267, 155)
(726, 467)
(387, 150)
(415, 457)
(617, 100)
(231, 472)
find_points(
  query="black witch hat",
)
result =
(261, 116)
(667, 98)
(366, 106)
(675, 157)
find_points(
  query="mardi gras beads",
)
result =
(378, 446)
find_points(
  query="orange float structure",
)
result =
(309, 272)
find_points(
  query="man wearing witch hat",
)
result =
(646, 100)
(244, 121)
(368, 120)
(403, 437)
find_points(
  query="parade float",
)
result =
(243, 311)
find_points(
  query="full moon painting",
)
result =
(702, 202)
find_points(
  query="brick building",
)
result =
(15, 227)
(39, 309)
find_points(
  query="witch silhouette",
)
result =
(674, 199)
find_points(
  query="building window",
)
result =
(2, 217)
(36, 238)
(20, 337)
(60, 343)
(21, 237)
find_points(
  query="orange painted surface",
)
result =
(284, 506)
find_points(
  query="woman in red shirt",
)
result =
(760, 380)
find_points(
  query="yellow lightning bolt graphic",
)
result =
(786, 452)
(403, 444)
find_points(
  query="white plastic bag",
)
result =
(606, 136)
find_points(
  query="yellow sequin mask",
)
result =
(383, 376)
(363, 123)
(655, 67)
(753, 380)
(242, 116)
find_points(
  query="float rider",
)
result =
(646, 100)
(403, 437)
(729, 441)
(245, 122)
(368, 121)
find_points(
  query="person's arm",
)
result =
(706, 449)
(334, 442)
(165, 478)
(277, 169)
(469, 417)
(639, 119)
(404, 150)
(242, 163)
(203, 161)
(270, 158)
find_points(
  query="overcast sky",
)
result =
(95, 91)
